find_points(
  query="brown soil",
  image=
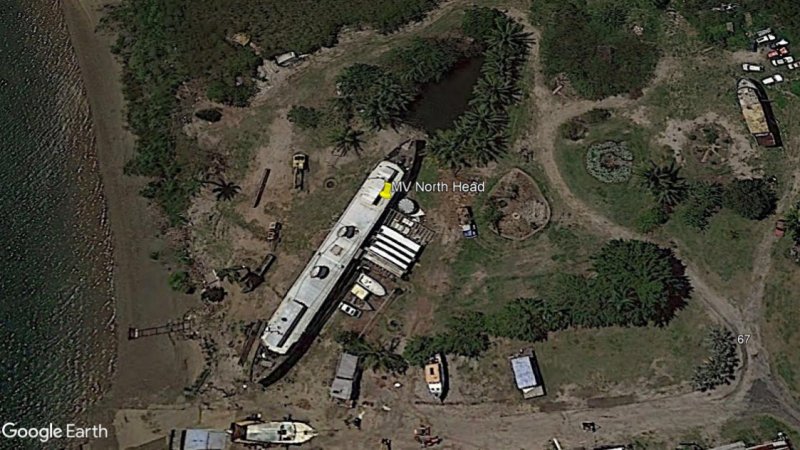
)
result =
(522, 208)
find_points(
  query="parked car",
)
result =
(781, 43)
(467, 223)
(747, 67)
(780, 228)
(777, 78)
(783, 51)
(350, 310)
(792, 66)
(763, 32)
(766, 38)
(782, 61)
(773, 54)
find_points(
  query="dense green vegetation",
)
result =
(164, 43)
(595, 45)
(424, 60)
(751, 198)
(304, 117)
(480, 135)
(720, 367)
(633, 283)
(374, 356)
(782, 15)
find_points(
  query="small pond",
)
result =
(439, 104)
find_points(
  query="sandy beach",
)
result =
(153, 370)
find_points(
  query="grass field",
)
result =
(756, 429)
(782, 304)
(621, 202)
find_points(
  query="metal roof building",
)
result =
(346, 377)
(193, 439)
(526, 376)
(313, 287)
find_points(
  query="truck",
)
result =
(467, 223)
(299, 167)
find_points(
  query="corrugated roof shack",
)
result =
(198, 440)
(527, 375)
(344, 386)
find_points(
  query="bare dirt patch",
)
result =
(517, 207)
(729, 147)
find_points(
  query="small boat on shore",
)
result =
(372, 285)
(255, 431)
(435, 376)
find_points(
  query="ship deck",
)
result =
(312, 288)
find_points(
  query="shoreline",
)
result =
(153, 370)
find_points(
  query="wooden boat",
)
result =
(254, 431)
(435, 376)
(372, 285)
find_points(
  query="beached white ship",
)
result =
(254, 431)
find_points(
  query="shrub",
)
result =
(304, 117)
(424, 60)
(609, 162)
(466, 335)
(721, 365)
(420, 348)
(209, 115)
(651, 219)
(703, 201)
(592, 43)
(751, 198)
(180, 281)
(478, 22)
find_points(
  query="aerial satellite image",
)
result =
(400, 224)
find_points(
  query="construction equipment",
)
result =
(424, 437)
(274, 233)
(299, 167)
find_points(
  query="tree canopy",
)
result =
(751, 198)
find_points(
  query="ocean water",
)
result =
(56, 309)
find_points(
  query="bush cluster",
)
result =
(634, 283)
(593, 43)
(609, 162)
(721, 365)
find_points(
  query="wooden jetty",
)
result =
(261, 186)
(175, 327)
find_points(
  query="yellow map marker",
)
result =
(387, 190)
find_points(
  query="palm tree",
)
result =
(482, 116)
(665, 183)
(346, 139)
(223, 189)
(509, 34)
(497, 91)
(445, 146)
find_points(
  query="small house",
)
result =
(345, 381)
(527, 375)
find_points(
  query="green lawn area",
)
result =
(621, 202)
(756, 429)
(725, 248)
(595, 360)
(782, 303)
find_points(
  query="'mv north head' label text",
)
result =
(455, 186)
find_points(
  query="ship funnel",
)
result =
(320, 272)
(347, 231)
